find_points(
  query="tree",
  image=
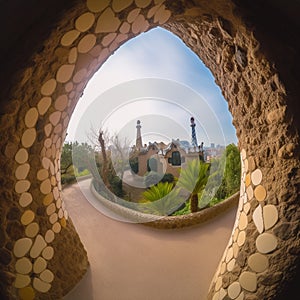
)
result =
(66, 158)
(193, 179)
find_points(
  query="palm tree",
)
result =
(193, 178)
(162, 199)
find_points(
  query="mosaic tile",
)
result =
(28, 137)
(162, 15)
(23, 265)
(31, 117)
(39, 265)
(45, 187)
(133, 15)
(22, 281)
(107, 22)
(96, 5)
(119, 5)
(256, 177)
(248, 281)
(85, 22)
(32, 230)
(22, 186)
(234, 290)
(86, 43)
(258, 219)
(47, 276)
(25, 199)
(266, 243)
(22, 171)
(49, 236)
(48, 252)
(27, 293)
(65, 73)
(22, 246)
(258, 262)
(48, 87)
(41, 286)
(260, 193)
(142, 3)
(27, 217)
(38, 245)
(270, 216)
(69, 38)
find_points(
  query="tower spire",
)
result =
(138, 142)
(194, 138)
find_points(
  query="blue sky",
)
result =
(157, 79)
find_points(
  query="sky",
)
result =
(157, 79)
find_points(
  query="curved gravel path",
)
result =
(136, 262)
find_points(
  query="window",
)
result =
(176, 158)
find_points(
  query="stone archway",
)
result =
(262, 253)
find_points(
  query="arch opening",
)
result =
(261, 113)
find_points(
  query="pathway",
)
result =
(135, 262)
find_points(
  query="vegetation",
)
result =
(162, 199)
(74, 161)
(193, 179)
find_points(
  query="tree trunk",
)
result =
(194, 203)
(104, 174)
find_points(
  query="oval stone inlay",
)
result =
(260, 193)
(47, 276)
(39, 265)
(27, 217)
(45, 187)
(266, 243)
(49, 236)
(270, 215)
(22, 281)
(96, 5)
(241, 238)
(64, 73)
(142, 3)
(22, 186)
(23, 265)
(48, 252)
(256, 177)
(258, 262)
(248, 281)
(41, 286)
(119, 5)
(28, 137)
(162, 15)
(107, 22)
(25, 199)
(22, 171)
(22, 246)
(258, 219)
(72, 60)
(243, 221)
(234, 290)
(48, 87)
(85, 22)
(61, 102)
(32, 230)
(55, 118)
(31, 117)
(38, 246)
(69, 37)
(27, 293)
(86, 43)
(21, 156)
(44, 105)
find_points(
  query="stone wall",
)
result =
(254, 61)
